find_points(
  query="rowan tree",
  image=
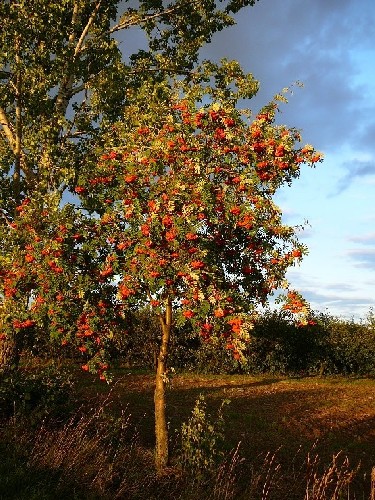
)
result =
(176, 184)
(62, 73)
(183, 186)
(50, 283)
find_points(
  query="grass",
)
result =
(300, 438)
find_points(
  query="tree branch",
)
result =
(66, 85)
(147, 17)
(3, 214)
(72, 36)
(8, 132)
(86, 29)
(7, 129)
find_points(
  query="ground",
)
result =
(287, 416)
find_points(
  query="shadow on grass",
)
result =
(278, 421)
(292, 416)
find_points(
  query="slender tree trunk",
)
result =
(10, 352)
(18, 138)
(161, 429)
(10, 346)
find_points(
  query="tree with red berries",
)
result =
(173, 186)
(50, 283)
(63, 78)
(184, 190)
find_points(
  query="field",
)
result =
(281, 435)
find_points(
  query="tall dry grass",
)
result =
(334, 482)
(98, 456)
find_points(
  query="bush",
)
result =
(330, 346)
(349, 346)
(201, 440)
(277, 345)
(36, 394)
(137, 345)
(207, 357)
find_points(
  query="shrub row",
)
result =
(331, 346)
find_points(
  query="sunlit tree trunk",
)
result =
(161, 429)
(18, 131)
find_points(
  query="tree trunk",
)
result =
(10, 352)
(161, 429)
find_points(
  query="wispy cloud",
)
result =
(284, 42)
(366, 239)
(338, 301)
(364, 258)
(337, 298)
(354, 170)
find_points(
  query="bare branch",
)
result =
(86, 29)
(147, 17)
(78, 89)
(65, 92)
(72, 36)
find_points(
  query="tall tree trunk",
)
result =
(18, 128)
(161, 429)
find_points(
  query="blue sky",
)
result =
(329, 45)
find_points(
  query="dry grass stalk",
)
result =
(333, 482)
(267, 479)
(87, 448)
(225, 483)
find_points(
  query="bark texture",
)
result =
(10, 352)
(161, 428)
